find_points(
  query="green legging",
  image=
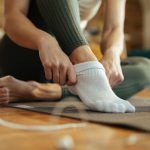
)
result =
(63, 19)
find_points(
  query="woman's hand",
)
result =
(4, 95)
(113, 69)
(56, 63)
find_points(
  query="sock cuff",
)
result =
(88, 65)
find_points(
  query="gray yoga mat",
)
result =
(72, 107)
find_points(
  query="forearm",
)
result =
(23, 32)
(113, 41)
(113, 32)
(112, 46)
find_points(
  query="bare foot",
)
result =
(27, 90)
(4, 95)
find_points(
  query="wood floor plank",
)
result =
(90, 137)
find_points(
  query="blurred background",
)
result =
(137, 28)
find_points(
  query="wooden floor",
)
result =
(91, 137)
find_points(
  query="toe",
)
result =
(4, 96)
(129, 107)
(118, 108)
(113, 107)
(121, 108)
(100, 106)
(107, 106)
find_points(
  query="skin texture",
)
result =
(25, 34)
(4, 95)
(13, 89)
(31, 37)
(112, 43)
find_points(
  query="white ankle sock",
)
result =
(94, 90)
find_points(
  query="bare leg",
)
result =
(16, 89)
(82, 54)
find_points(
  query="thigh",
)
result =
(136, 71)
(22, 63)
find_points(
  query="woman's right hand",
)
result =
(56, 63)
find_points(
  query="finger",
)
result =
(4, 100)
(108, 77)
(1, 86)
(4, 91)
(107, 73)
(63, 74)
(4, 103)
(48, 74)
(71, 76)
(4, 94)
(114, 81)
(56, 75)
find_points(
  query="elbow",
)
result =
(9, 22)
(9, 28)
(7, 25)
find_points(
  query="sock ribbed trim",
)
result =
(88, 65)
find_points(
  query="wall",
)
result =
(146, 23)
(1, 18)
(1, 12)
(134, 24)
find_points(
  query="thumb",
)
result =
(71, 75)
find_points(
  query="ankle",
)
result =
(27, 92)
(82, 54)
(47, 91)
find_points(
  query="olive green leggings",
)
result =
(136, 72)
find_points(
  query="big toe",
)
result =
(110, 107)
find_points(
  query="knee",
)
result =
(142, 68)
(137, 71)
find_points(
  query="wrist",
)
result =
(44, 39)
(111, 58)
(113, 42)
(112, 53)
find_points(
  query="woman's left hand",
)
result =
(113, 69)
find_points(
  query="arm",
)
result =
(113, 40)
(18, 27)
(23, 32)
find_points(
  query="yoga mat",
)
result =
(72, 107)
